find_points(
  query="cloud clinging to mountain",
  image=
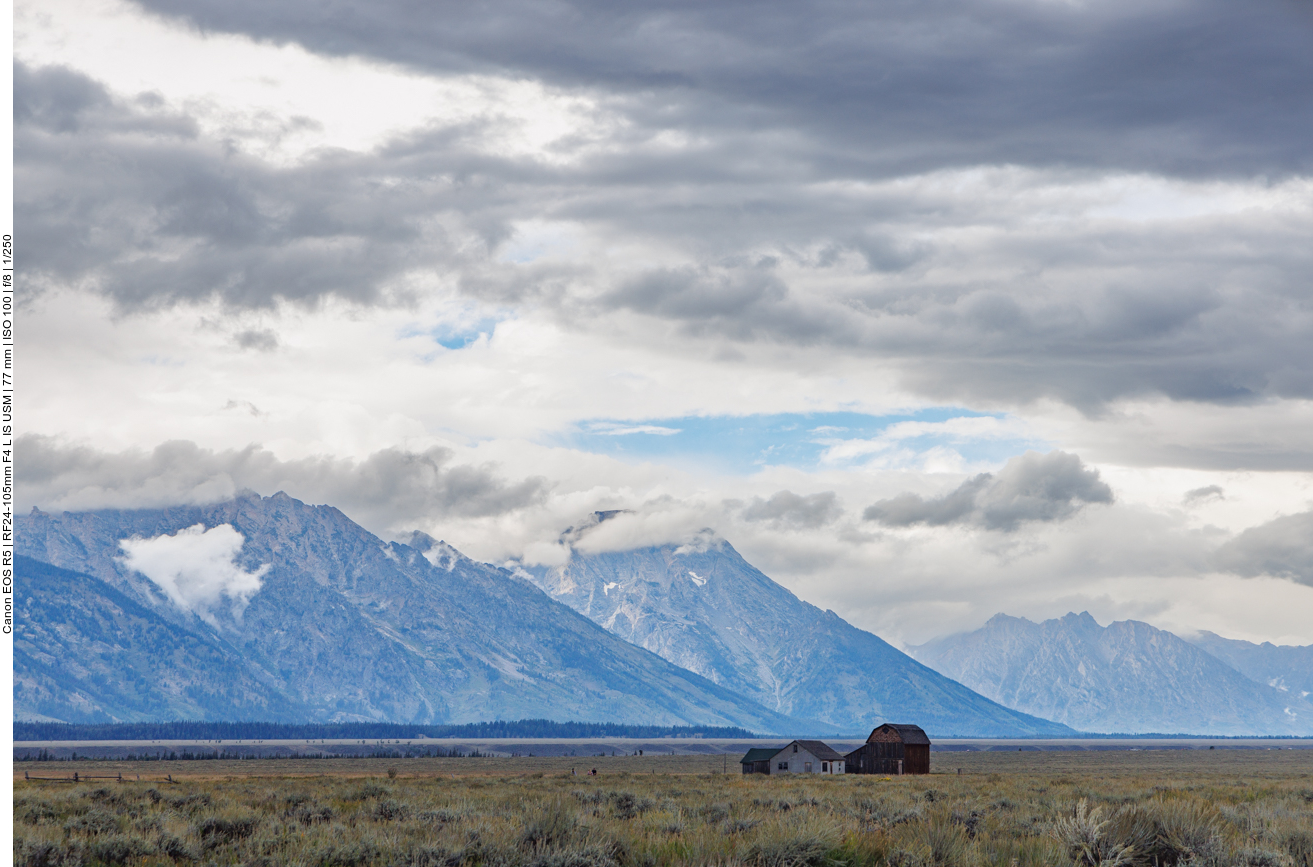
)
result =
(196, 568)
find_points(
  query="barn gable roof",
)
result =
(908, 734)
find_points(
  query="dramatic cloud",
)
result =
(1154, 85)
(129, 197)
(987, 282)
(1282, 548)
(1032, 487)
(390, 489)
(789, 509)
(196, 568)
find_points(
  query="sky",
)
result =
(934, 310)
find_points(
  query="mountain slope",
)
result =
(349, 627)
(1127, 677)
(1288, 668)
(706, 609)
(84, 651)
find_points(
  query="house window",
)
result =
(807, 767)
(795, 748)
(825, 767)
(784, 766)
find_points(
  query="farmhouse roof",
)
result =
(821, 750)
(759, 754)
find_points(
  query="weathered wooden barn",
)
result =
(795, 757)
(892, 749)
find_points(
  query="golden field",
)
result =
(1188, 808)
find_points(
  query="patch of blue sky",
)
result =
(808, 441)
(455, 335)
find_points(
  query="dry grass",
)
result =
(1123, 809)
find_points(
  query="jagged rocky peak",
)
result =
(698, 603)
(1084, 620)
(572, 534)
(420, 541)
(436, 551)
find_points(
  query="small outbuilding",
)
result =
(795, 757)
(893, 749)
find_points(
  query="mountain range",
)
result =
(266, 608)
(1125, 677)
(704, 608)
(325, 622)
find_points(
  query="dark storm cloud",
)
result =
(1282, 548)
(751, 240)
(1030, 487)
(743, 303)
(389, 488)
(1193, 86)
(785, 508)
(134, 200)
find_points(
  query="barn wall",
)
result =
(876, 758)
(918, 759)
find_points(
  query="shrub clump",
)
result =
(215, 832)
(389, 810)
(347, 854)
(628, 805)
(93, 822)
(806, 845)
(117, 849)
(554, 826)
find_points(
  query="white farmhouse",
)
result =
(796, 757)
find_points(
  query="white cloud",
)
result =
(283, 103)
(616, 429)
(197, 568)
(896, 446)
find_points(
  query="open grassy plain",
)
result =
(1201, 808)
